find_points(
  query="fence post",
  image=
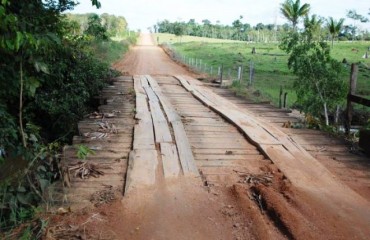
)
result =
(285, 99)
(239, 73)
(280, 95)
(221, 73)
(251, 72)
(352, 91)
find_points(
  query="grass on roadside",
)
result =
(112, 50)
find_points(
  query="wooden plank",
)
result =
(229, 111)
(141, 170)
(171, 113)
(212, 157)
(185, 83)
(170, 159)
(359, 100)
(184, 149)
(144, 136)
(139, 90)
(206, 151)
(222, 145)
(161, 128)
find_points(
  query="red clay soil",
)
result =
(184, 209)
(146, 58)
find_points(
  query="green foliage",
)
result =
(237, 31)
(334, 28)
(292, 10)
(83, 151)
(49, 76)
(319, 84)
(179, 29)
(95, 28)
(116, 26)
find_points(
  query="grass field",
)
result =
(270, 62)
(171, 38)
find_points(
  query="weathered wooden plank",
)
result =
(141, 170)
(229, 111)
(167, 106)
(212, 157)
(139, 90)
(224, 145)
(170, 159)
(206, 151)
(144, 136)
(161, 128)
(184, 149)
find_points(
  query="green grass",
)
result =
(270, 62)
(160, 38)
(111, 51)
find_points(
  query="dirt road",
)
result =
(146, 58)
(242, 188)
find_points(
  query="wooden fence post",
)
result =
(352, 91)
(221, 73)
(280, 95)
(251, 72)
(239, 73)
(285, 99)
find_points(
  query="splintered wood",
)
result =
(159, 138)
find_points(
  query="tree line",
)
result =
(115, 26)
(240, 30)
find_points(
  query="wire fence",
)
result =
(270, 85)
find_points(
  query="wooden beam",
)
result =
(359, 100)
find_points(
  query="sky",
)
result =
(141, 14)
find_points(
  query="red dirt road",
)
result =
(146, 58)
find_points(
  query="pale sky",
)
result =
(141, 14)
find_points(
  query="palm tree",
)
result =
(334, 28)
(312, 25)
(293, 11)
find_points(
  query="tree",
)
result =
(179, 29)
(319, 83)
(334, 28)
(312, 26)
(293, 11)
(95, 27)
(356, 17)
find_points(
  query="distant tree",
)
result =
(179, 29)
(312, 25)
(238, 25)
(259, 26)
(352, 14)
(95, 28)
(293, 11)
(334, 28)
